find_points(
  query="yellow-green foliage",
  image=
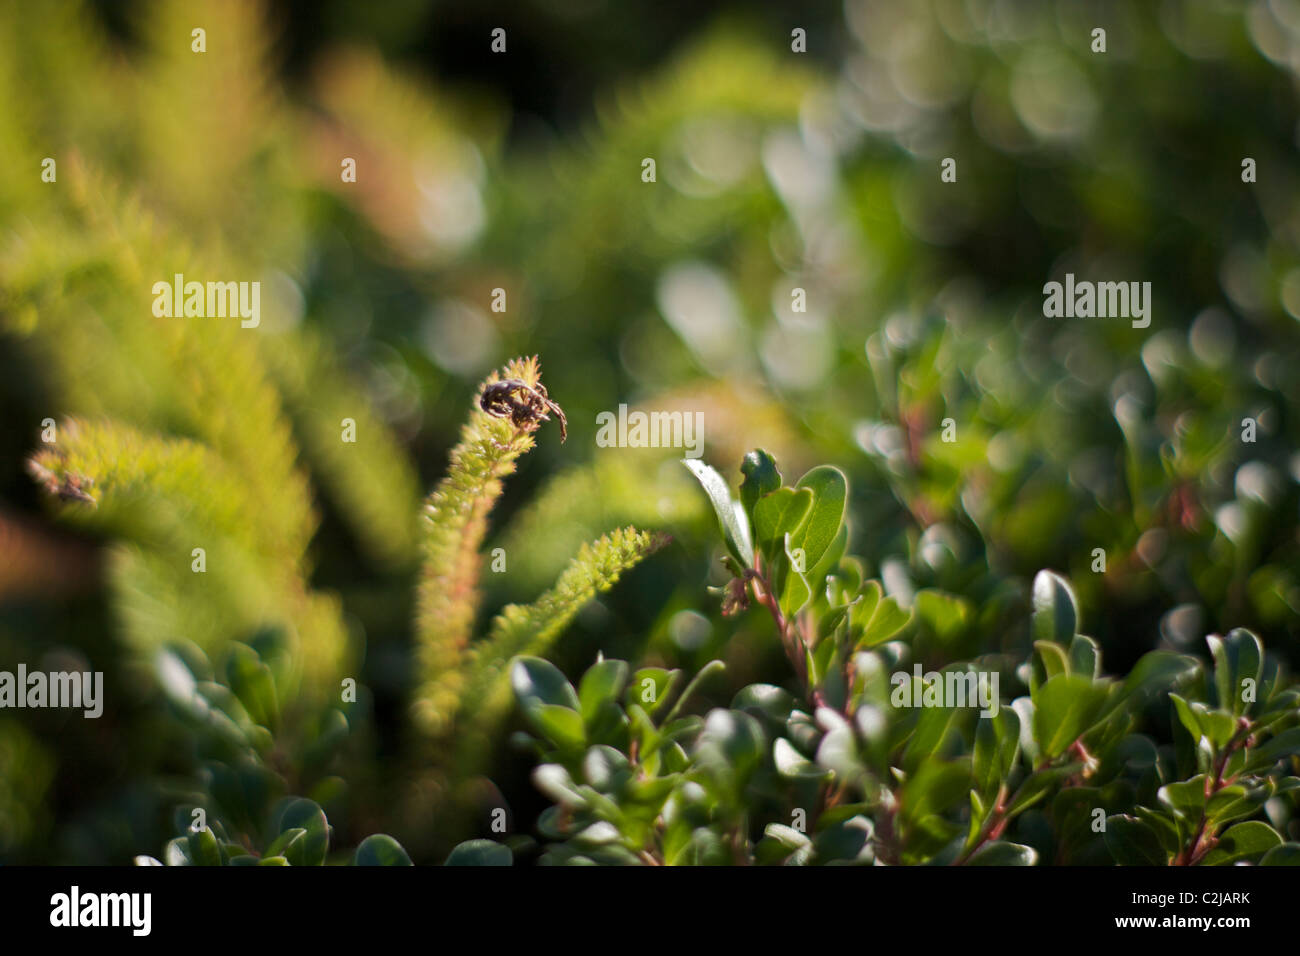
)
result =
(455, 520)
(592, 208)
(533, 628)
(456, 675)
(372, 479)
(192, 432)
(26, 772)
(80, 289)
(637, 486)
(640, 486)
(161, 499)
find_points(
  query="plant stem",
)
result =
(1202, 843)
(791, 642)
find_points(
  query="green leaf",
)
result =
(778, 514)
(731, 744)
(1235, 802)
(703, 674)
(1037, 786)
(819, 530)
(1187, 717)
(251, 682)
(767, 702)
(603, 681)
(556, 783)
(936, 787)
(837, 749)
(281, 843)
(1242, 841)
(1024, 708)
(845, 841)
(1056, 612)
(312, 848)
(1000, 853)
(1217, 726)
(1285, 744)
(789, 838)
(1186, 798)
(761, 477)
(1287, 854)
(379, 849)
(934, 727)
(1064, 708)
(1237, 660)
(603, 767)
(528, 630)
(1133, 843)
(538, 682)
(204, 849)
(997, 744)
(731, 516)
(1165, 828)
(1156, 671)
(1085, 656)
(978, 814)
(794, 588)
(177, 852)
(947, 615)
(651, 687)
(480, 853)
(876, 618)
(1053, 658)
(832, 559)
(790, 763)
(562, 726)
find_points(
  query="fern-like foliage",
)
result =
(160, 499)
(456, 522)
(533, 628)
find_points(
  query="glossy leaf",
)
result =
(1056, 611)
(999, 853)
(380, 849)
(876, 618)
(538, 682)
(1064, 708)
(312, 848)
(731, 516)
(1133, 843)
(819, 530)
(480, 853)
(761, 477)
(1242, 841)
(1237, 661)
(778, 514)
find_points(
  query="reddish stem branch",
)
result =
(791, 642)
(1202, 842)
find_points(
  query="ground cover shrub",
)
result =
(866, 757)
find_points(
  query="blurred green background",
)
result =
(521, 171)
